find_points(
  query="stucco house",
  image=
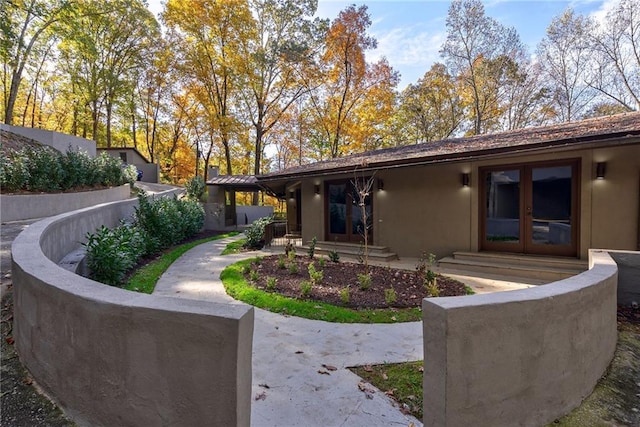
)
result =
(555, 191)
(131, 156)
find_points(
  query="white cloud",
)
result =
(403, 46)
(600, 15)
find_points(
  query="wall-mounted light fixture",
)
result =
(380, 185)
(465, 179)
(292, 195)
(316, 189)
(601, 168)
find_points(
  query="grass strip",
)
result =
(145, 278)
(400, 381)
(234, 247)
(237, 286)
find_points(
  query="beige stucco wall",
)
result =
(522, 357)
(426, 208)
(112, 357)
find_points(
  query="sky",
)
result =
(410, 33)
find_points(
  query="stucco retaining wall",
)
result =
(60, 141)
(113, 357)
(522, 357)
(29, 206)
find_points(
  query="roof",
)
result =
(236, 182)
(231, 180)
(621, 128)
(135, 150)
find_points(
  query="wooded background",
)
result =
(259, 85)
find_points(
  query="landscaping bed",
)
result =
(387, 288)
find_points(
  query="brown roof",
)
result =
(236, 182)
(231, 180)
(621, 128)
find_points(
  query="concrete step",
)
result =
(530, 266)
(352, 250)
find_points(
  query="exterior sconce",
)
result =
(601, 168)
(316, 190)
(380, 185)
(292, 195)
(465, 179)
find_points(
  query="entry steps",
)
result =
(351, 250)
(505, 264)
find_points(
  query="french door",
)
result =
(530, 208)
(344, 215)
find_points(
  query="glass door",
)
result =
(551, 210)
(502, 219)
(345, 219)
(531, 208)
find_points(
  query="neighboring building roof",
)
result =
(236, 182)
(622, 127)
(135, 150)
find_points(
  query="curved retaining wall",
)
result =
(28, 206)
(522, 357)
(113, 357)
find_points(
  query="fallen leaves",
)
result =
(9, 340)
(367, 389)
(329, 367)
(261, 396)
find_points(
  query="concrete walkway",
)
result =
(291, 387)
(289, 352)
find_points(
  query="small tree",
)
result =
(363, 186)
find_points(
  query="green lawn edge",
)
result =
(237, 287)
(144, 279)
(234, 247)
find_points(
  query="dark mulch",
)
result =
(630, 315)
(408, 286)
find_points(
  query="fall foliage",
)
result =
(258, 85)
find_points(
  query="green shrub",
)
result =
(14, 172)
(167, 221)
(111, 253)
(305, 288)
(312, 247)
(195, 188)
(432, 289)
(315, 275)
(364, 279)
(334, 256)
(43, 169)
(390, 296)
(271, 283)
(293, 268)
(255, 233)
(282, 263)
(254, 276)
(344, 295)
(78, 170)
(158, 224)
(321, 262)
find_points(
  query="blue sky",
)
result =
(411, 32)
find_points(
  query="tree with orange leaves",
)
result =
(349, 94)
